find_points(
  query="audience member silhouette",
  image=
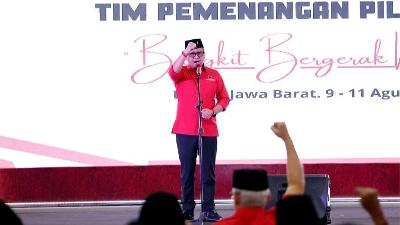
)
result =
(296, 210)
(160, 208)
(8, 216)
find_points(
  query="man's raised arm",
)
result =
(295, 173)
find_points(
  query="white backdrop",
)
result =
(76, 90)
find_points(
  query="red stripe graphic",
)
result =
(6, 164)
(54, 152)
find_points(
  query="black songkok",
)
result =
(198, 43)
(250, 179)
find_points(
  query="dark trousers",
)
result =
(188, 150)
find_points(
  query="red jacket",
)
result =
(213, 91)
(250, 216)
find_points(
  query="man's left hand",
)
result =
(207, 113)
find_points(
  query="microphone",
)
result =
(198, 70)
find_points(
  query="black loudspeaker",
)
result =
(317, 187)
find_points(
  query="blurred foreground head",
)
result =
(161, 208)
(8, 216)
(296, 210)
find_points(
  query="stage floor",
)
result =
(120, 214)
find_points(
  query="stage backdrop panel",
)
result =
(85, 83)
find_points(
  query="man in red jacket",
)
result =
(214, 99)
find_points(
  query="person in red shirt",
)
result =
(214, 98)
(250, 191)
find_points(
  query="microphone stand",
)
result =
(200, 142)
